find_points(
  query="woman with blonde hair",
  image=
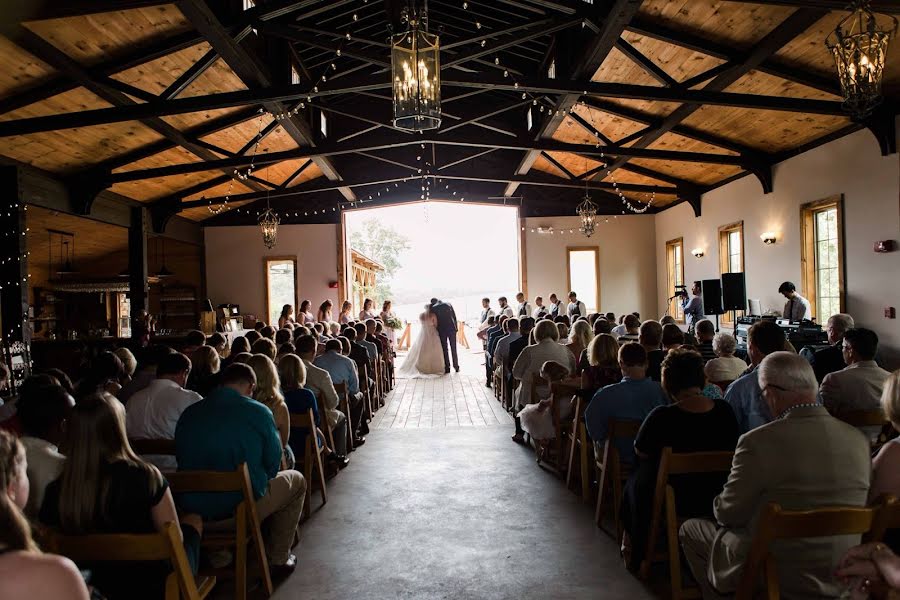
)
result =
(205, 366)
(367, 311)
(25, 572)
(581, 335)
(268, 392)
(603, 368)
(886, 464)
(297, 398)
(106, 488)
(345, 316)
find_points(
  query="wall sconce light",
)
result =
(698, 252)
(768, 238)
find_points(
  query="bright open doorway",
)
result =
(458, 252)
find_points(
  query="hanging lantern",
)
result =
(416, 73)
(587, 212)
(859, 46)
(268, 223)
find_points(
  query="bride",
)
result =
(425, 357)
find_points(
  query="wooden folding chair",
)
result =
(778, 524)
(561, 392)
(871, 419)
(154, 446)
(344, 407)
(246, 531)
(312, 456)
(580, 452)
(147, 547)
(677, 463)
(612, 472)
(325, 426)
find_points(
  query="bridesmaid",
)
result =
(386, 315)
(367, 311)
(345, 317)
(305, 317)
(324, 315)
(287, 316)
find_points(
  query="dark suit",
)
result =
(446, 326)
(828, 360)
(654, 364)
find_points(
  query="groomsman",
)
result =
(524, 309)
(556, 306)
(486, 313)
(576, 307)
(505, 309)
(540, 311)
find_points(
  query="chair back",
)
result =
(304, 420)
(116, 547)
(863, 418)
(775, 523)
(157, 446)
(341, 389)
(536, 381)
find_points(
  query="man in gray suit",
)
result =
(859, 385)
(802, 460)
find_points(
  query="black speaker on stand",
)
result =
(734, 293)
(711, 291)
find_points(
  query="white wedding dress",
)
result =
(426, 357)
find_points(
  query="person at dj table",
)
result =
(797, 307)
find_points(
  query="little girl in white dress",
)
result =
(537, 419)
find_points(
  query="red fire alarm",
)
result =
(333, 285)
(884, 246)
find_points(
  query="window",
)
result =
(822, 256)
(731, 252)
(551, 70)
(675, 277)
(584, 276)
(323, 124)
(295, 75)
(248, 4)
(281, 285)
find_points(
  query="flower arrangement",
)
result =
(394, 323)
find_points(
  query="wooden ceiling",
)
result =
(174, 104)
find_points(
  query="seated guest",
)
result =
(205, 363)
(282, 336)
(129, 363)
(705, 331)
(154, 411)
(537, 419)
(528, 366)
(371, 349)
(830, 359)
(228, 428)
(371, 327)
(106, 374)
(252, 336)
(619, 329)
(650, 337)
(562, 330)
(268, 393)
(106, 488)
(344, 370)
(258, 326)
(603, 365)
(219, 342)
(526, 328)
(631, 399)
(631, 332)
(148, 360)
(858, 386)
(268, 332)
(745, 395)
(886, 464)
(692, 423)
(284, 350)
(264, 346)
(334, 329)
(61, 378)
(494, 335)
(726, 367)
(581, 336)
(870, 570)
(319, 382)
(298, 399)
(238, 345)
(501, 352)
(193, 340)
(665, 320)
(42, 412)
(9, 418)
(786, 462)
(241, 358)
(602, 325)
(25, 572)
(672, 337)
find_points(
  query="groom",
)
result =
(446, 326)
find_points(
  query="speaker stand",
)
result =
(717, 323)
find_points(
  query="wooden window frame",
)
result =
(596, 251)
(725, 256)
(674, 305)
(808, 251)
(270, 259)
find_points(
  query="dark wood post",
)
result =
(137, 264)
(13, 260)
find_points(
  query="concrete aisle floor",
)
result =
(453, 513)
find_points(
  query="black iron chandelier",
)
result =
(416, 74)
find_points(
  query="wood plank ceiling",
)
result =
(170, 104)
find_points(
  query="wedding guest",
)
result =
(726, 367)
(267, 333)
(229, 428)
(537, 419)
(266, 347)
(241, 358)
(304, 315)
(129, 363)
(26, 572)
(204, 368)
(563, 330)
(501, 351)
(153, 412)
(745, 395)
(298, 399)
(830, 359)
(368, 310)
(238, 345)
(603, 365)
(219, 342)
(287, 316)
(528, 366)
(324, 314)
(526, 328)
(650, 337)
(148, 358)
(344, 317)
(319, 381)
(106, 488)
(632, 332)
(252, 336)
(523, 309)
(284, 350)
(61, 378)
(268, 393)
(42, 411)
(579, 338)
(193, 340)
(857, 386)
(705, 332)
(672, 337)
(344, 370)
(361, 338)
(576, 307)
(602, 325)
(886, 464)
(105, 374)
(283, 336)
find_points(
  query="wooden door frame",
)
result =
(266, 261)
(596, 250)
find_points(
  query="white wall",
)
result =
(235, 267)
(627, 261)
(852, 166)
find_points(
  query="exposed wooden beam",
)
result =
(190, 76)
(19, 12)
(535, 30)
(649, 67)
(559, 165)
(882, 6)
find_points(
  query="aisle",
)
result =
(456, 512)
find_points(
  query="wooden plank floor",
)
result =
(455, 400)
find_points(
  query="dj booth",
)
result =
(800, 335)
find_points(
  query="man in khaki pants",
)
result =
(228, 428)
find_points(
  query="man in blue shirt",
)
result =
(744, 395)
(631, 399)
(228, 428)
